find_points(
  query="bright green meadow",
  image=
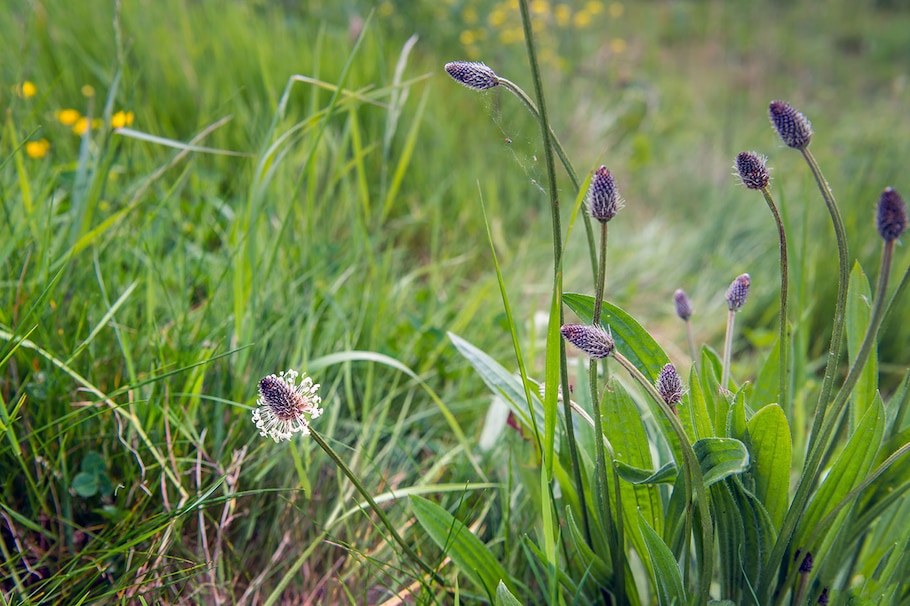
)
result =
(197, 194)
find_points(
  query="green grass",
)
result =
(146, 288)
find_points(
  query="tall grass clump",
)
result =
(648, 491)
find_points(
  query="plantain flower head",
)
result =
(286, 407)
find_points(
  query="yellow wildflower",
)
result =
(67, 117)
(539, 7)
(469, 15)
(88, 90)
(82, 125)
(497, 17)
(121, 119)
(594, 7)
(386, 9)
(618, 45)
(467, 37)
(582, 19)
(37, 149)
(27, 89)
(563, 15)
(616, 9)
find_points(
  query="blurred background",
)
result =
(353, 222)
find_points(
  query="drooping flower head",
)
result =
(593, 340)
(669, 386)
(738, 292)
(473, 74)
(794, 128)
(891, 218)
(286, 407)
(603, 200)
(683, 304)
(752, 170)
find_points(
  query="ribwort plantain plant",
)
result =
(649, 491)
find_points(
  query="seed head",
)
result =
(892, 215)
(738, 292)
(806, 566)
(752, 170)
(792, 126)
(473, 74)
(286, 407)
(593, 340)
(823, 598)
(669, 386)
(683, 304)
(604, 200)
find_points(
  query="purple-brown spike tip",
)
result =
(752, 170)
(794, 128)
(891, 218)
(472, 74)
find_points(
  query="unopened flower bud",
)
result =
(806, 566)
(473, 74)
(792, 126)
(752, 170)
(593, 340)
(823, 598)
(603, 197)
(683, 304)
(891, 219)
(738, 292)
(669, 386)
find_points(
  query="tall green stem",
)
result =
(692, 476)
(783, 339)
(339, 462)
(557, 254)
(837, 329)
(616, 547)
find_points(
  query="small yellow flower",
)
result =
(121, 119)
(469, 15)
(27, 89)
(88, 90)
(618, 45)
(467, 37)
(82, 125)
(581, 19)
(563, 15)
(497, 17)
(594, 7)
(386, 9)
(37, 149)
(539, 7)
(616, 9)
(67, 117)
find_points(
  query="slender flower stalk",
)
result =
(551, 143)
(737, 294)
(684, 311)
(692, 475)
(890, 204)
(753, 172)
(796, 132)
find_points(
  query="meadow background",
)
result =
(146, 287)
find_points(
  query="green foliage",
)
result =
(257, 186)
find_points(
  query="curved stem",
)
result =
(817, 455)
(693, 477)
(783, 339)
(339, 462)
(563, 158)
(693, 350)
(837, 328)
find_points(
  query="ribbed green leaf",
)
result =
(667, 578)
(624, 429)
(772, 447)
(720, 458)
(759, 535)
(859, 302)
(458, 542)
(599, 569)
(849, 469)
(767, 383)
(730, 538)
(697, 415)
(633, 341)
